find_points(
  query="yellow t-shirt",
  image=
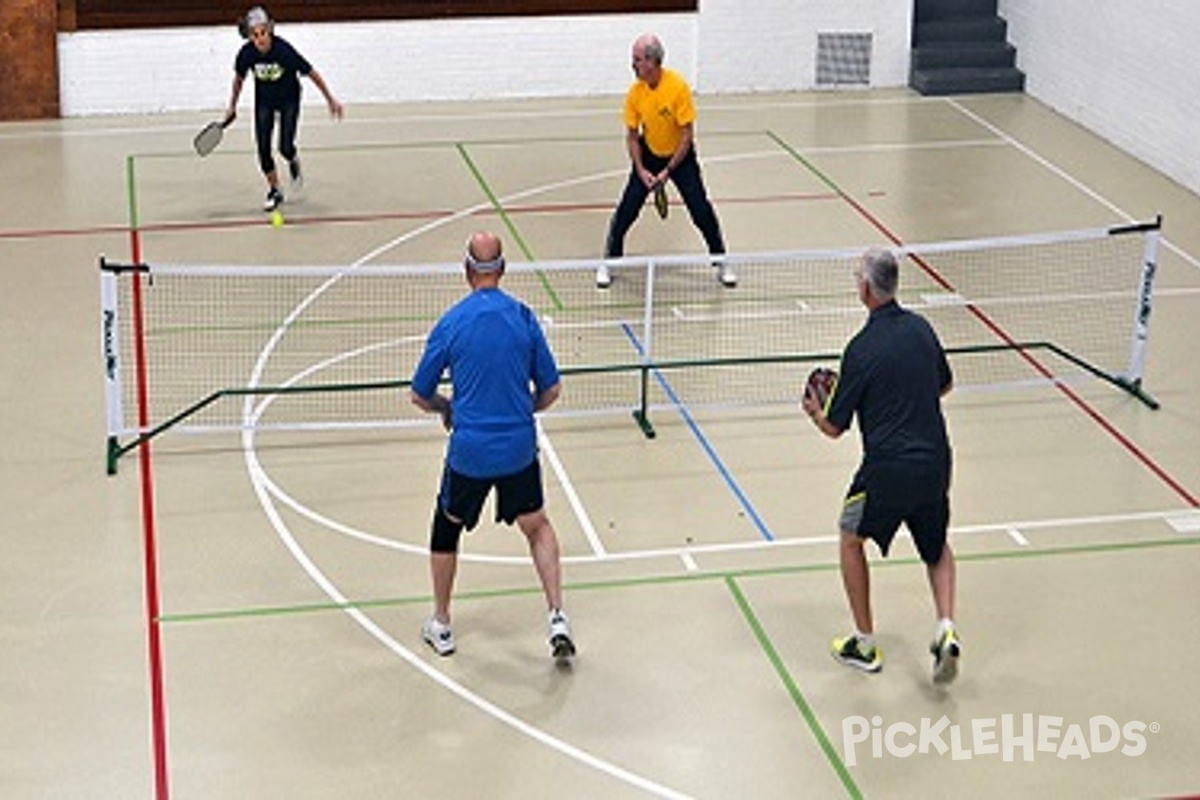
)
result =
(660, 113)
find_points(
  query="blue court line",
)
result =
(743, 500)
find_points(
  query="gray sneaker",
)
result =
(945, 652)
(296, 175)
(438, 636)
(561, 645)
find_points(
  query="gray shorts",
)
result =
(880, 499)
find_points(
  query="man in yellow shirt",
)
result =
(660, 136)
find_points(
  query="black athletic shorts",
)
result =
(462, 497)
(881, 497)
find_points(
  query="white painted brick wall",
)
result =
(728, 46)
(1125, 69)
(772, 46)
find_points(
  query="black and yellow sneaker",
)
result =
(849, 650)
(946, 650)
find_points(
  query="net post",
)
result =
(110, 333)
(642, 412)
(1141, 323)
(112, 456)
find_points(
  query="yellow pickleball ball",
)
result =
(276, 219)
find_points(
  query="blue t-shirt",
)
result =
(498, 361)
(893, 373)
(276, 72)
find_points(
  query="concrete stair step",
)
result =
(992, 54)
(939, 9)
(960, 31)
(967, 80)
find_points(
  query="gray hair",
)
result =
(257, 16)
(655, 51)
(881, 272)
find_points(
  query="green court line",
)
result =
(1182, 540)
(131, 192)
(508, 222)
(811, 167)
(797, 696)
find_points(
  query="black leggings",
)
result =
(690, 183)
(264, 127)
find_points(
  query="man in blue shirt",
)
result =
(502, 373)
(893, 375)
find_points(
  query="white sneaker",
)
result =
(561, 645)
(725, 273)
(603, 277)
(438, 636)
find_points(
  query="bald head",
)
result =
(485, 257)
(484, 246)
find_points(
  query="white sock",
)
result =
(944, 625)
(866, 640)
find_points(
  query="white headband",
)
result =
(493, 265)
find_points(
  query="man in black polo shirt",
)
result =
(893, 375)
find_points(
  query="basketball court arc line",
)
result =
(250, 414)
(1074, 397)
(451, 685)
(265, 402)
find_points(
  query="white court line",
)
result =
(407, 655)
(1185, 523)
(564, 480)
(1017, 536)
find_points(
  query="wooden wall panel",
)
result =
(28, 59)
(156, 13)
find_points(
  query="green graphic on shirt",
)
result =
(268, 73)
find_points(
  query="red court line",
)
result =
(234, 223)
(1040, 368)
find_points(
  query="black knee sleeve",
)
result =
(445, 532)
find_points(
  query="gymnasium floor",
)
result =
(291, 658)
